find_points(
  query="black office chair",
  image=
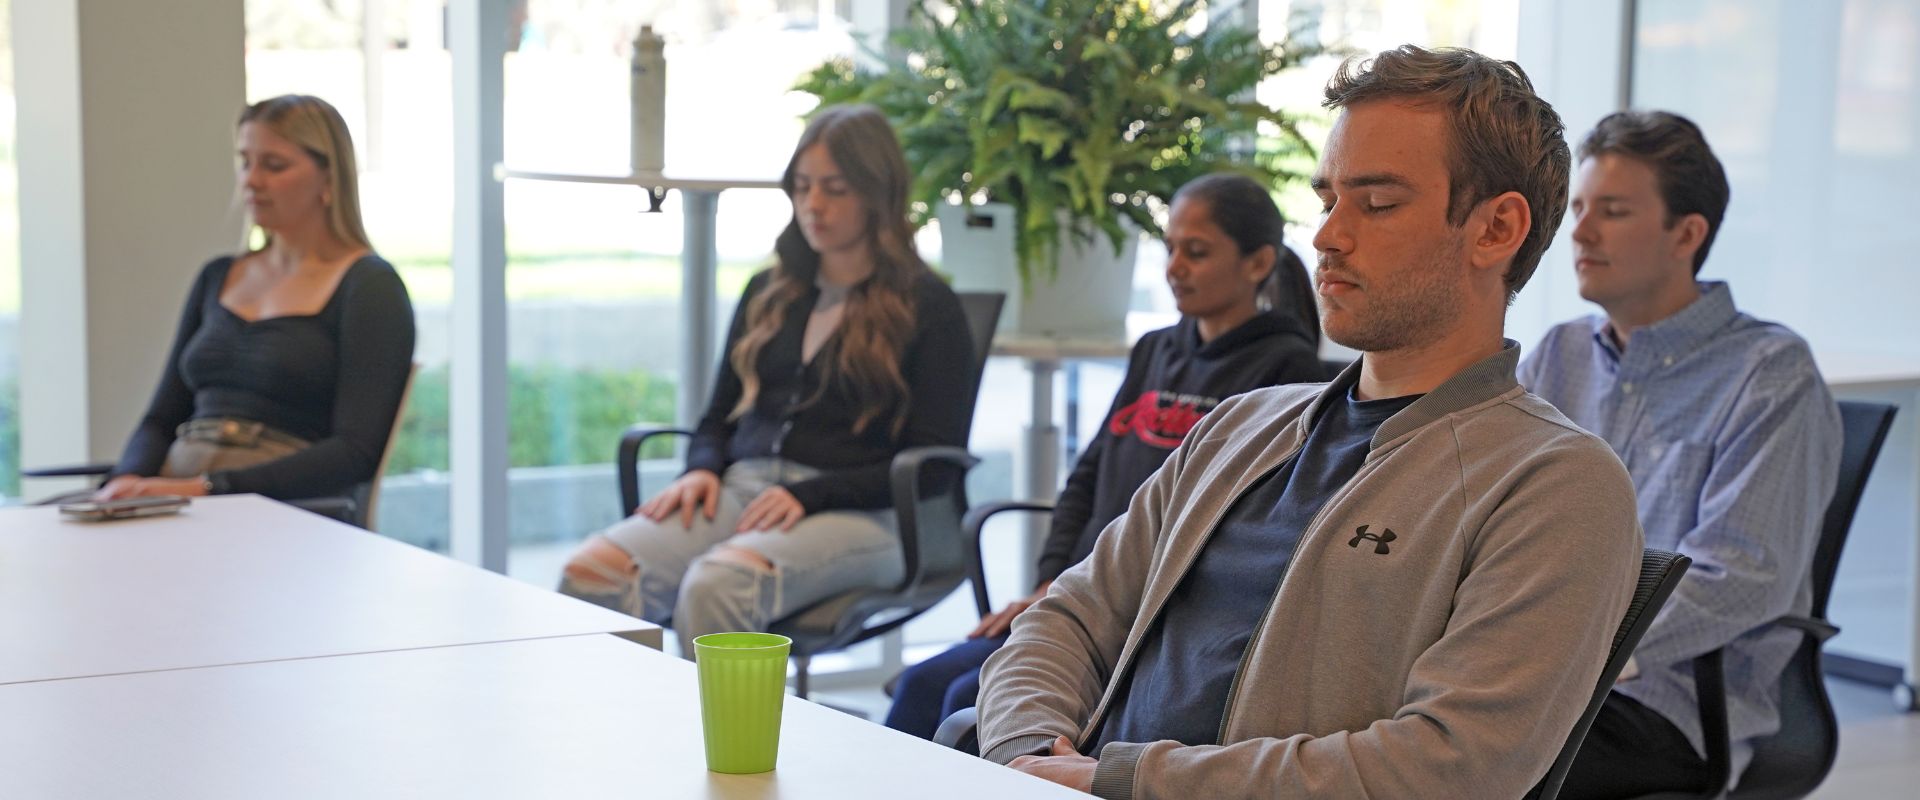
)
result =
(1793, 761)
(1660, 571)
(975, 522)
(1331, 368)
(929, 496)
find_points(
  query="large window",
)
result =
(9, 271)
(389, 77)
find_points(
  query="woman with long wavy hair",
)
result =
(845, 352)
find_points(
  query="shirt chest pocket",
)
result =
(1668, 477)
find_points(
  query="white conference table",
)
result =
(244, 579)
(579, 717)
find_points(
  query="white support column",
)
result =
(373, 51)
(477, 33)
(874, 22)
(126, 113)
(699, 262)
(1042, 473)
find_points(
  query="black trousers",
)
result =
(1632, 751)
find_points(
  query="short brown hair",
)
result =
(1505, 137)
(1691, 178)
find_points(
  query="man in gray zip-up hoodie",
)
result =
(1400, 584)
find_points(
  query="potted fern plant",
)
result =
(1083, 117)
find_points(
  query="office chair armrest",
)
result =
(975, 522)
(1820, 629)
(1710, 690)
(628, 460)
(918, 475)
(341, 509)
(960, 731)
(75, 470)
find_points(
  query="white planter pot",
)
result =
(1087, 299)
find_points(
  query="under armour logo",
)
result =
(1379, 540)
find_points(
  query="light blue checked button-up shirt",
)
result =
(1733, 443)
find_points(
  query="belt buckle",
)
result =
(240, 434)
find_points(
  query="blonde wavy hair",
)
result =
(865, 354)
(316, 128)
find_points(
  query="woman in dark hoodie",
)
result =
(1247, 320)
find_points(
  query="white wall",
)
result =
(1815, 110)
(125, 142)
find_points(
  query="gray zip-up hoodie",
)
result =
(1448, 659)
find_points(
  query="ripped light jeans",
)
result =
(674, 584)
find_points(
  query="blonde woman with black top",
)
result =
(845, 352)
(289, 362)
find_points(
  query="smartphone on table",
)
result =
(124, 508)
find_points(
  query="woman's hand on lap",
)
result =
(697, 489)
(775, 509)
(1001, 621)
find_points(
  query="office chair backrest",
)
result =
(1792, 761)
(367, 495)
(943, 559)
(1660, 571)
(983, 315)
(1864, 429)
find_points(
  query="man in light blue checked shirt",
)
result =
(1729, 434)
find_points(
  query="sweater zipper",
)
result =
(1100, 711)
(786, 425)
(1246, 654)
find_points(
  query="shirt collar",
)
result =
(1482, 381)
(1685, 331)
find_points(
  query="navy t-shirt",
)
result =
(1180, 680)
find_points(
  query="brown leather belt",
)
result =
(236, 433)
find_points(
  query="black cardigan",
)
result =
(334, 378)
(937, 365)
(1172, 380)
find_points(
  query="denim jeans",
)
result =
(675, 584)
(932, 690)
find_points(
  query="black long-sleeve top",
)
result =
(334, 378)
(937, 365)
(1172, 381)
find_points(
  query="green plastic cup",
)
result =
(743, 685)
